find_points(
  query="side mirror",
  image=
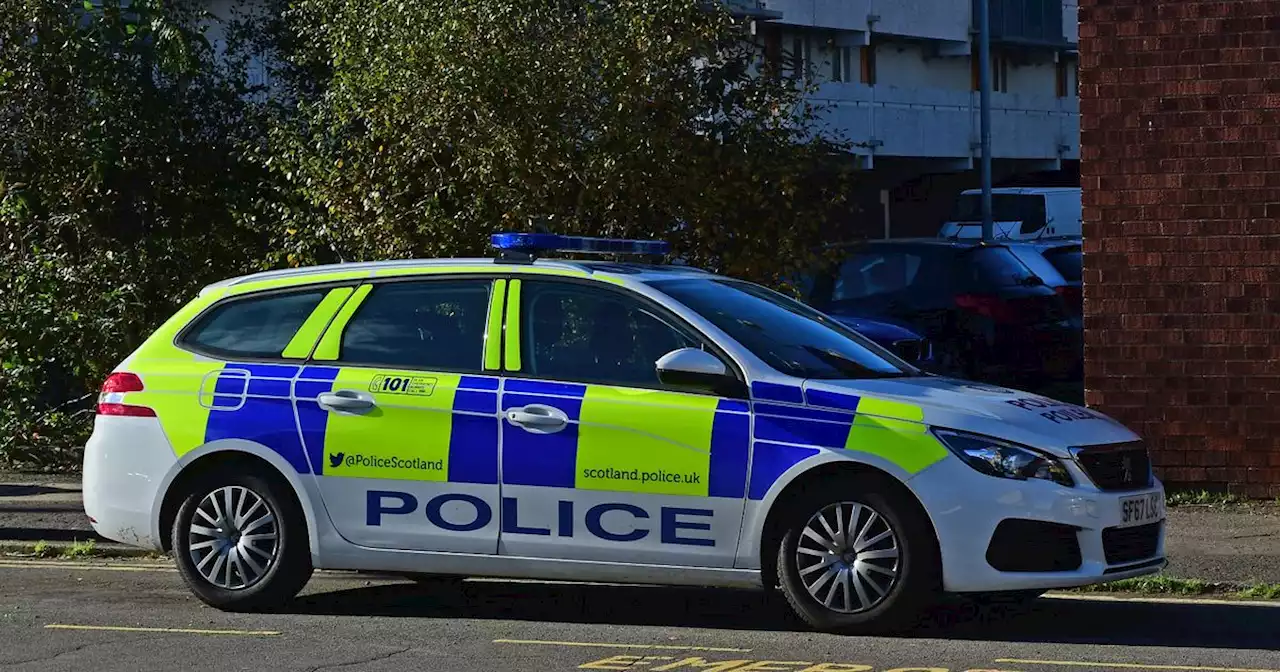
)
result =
(697, 369)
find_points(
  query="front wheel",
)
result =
(858, 556)
(240, 541)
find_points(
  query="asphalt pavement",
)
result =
(134, 615)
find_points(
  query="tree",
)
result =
(438, 122)
(123, 188)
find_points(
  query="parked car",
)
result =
(896, 337)
(989, 317)
(1020, 213)
(1059, 262)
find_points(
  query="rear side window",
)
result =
(988, 267)
(436, 324)
(255, 328)
(1068, 260)
(867, 274)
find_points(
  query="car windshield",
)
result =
(786, 334)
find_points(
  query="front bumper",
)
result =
(967, 507)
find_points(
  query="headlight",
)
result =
(1003, 459)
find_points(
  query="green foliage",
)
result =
(121, 190)
(442, 121)
(136, 163)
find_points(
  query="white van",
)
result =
(1019, 213)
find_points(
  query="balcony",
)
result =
(1032, 23)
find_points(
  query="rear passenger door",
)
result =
(600, 461)
(398, 411)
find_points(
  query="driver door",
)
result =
(634, 471)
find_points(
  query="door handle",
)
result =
(344, 400)
(538, 418)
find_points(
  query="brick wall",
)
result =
(1180, 165)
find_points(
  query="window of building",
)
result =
(801, 57)
(867, 60)
(436, 324)
(253, 328)
(999, 72)
(1066, 76)
(842, 64)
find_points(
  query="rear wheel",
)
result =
(857, 556)
(240, 541)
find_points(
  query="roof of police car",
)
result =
(354, 270)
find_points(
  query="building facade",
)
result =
(1180, 167)
(899, 79)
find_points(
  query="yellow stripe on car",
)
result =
(305, 339)
(618, 451)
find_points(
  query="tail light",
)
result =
(1072, 296)
(111, 398)
(1011, 311)
(988, 306)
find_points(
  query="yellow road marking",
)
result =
(184, 631)
(1128, 666)
(612, 645)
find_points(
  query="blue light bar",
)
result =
(551, 242)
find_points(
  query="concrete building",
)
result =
(1181, 179)
(899, 78)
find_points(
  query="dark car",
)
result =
(989, 317)
(895, 337)
(1059, 262)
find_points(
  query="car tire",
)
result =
(885, 585)
(275, 543)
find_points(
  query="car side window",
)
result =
(578, 333)
(253, 328)
(870, 274)
(433, 324)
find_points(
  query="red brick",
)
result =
(1180, 165)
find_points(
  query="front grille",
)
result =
(1130, 544)
(912, 349)
(1033, 546)
(1122, 466)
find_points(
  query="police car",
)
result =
(594, 420)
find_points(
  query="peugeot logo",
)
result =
(1126, 463)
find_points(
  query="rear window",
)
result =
(255, 328)
(1068, 260)
(1026, 208)
(1035, 260)
(992, 267)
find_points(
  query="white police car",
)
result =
(526, 417)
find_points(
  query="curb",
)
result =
(57, 548)
(1155, 599)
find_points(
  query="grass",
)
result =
(1160, 585)
(1202, 498)
(78, 550)
(1168, 585)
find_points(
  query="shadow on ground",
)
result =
(1046, 620)
(22, 490)
(47, 534)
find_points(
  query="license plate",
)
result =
(1141, 509)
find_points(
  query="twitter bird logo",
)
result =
(335, 459)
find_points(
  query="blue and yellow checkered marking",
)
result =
(612, 441)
